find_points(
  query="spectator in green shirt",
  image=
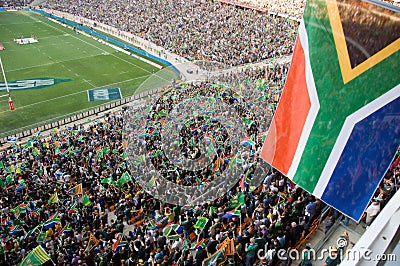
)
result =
(307, 256)
(333, 258)
(251, 252)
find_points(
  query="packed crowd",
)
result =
(53, 186)
(378, 24)
(72, 194)
(291, 8)
(195, 29)
(14, 3)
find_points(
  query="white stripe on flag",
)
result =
(303, 37)
(345, 133)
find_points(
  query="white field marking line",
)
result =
(54, 62)
(72, 35)
(88, 82)
(32, 104)
(126, 61)
(20, 23)
(43, 38)
(77, 75)
(68, 69)
(107, 85)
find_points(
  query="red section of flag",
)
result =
(288, 123)
(242, 183)
(395, 163)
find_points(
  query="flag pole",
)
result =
(240, 222)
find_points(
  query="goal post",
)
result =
(10, 101)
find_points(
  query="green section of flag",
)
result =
(53, 199)
(124, 179)
(337, 100)
(238, 201)
(85, 200)
(247, 121)
(201, 223)
(9, 179)
(107, 180)
(211, 150)
(212, 210)
(151, 182)
(36, 257)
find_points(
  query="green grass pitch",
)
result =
(60, 53)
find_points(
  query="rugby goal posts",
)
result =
(8, 95)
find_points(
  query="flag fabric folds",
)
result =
(198, 245)
(232, 214)
(53, 199)
(53, 220)
(107, 180)
(237, 201)
(172, 231)
(119, 243)
(220, 256)
(92, 243)
(331, 133)
(151, 225)
(32, 231)
(41, 237)
(77, 190)
(36, 257)
(124, 179)
(15, 229)
(85, 200)
(201, 223)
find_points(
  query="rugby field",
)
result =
(73, 62)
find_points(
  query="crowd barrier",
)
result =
(74, 117)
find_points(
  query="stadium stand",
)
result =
(59, 191)
(66, 176)
(196, 30)
(15, 3)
